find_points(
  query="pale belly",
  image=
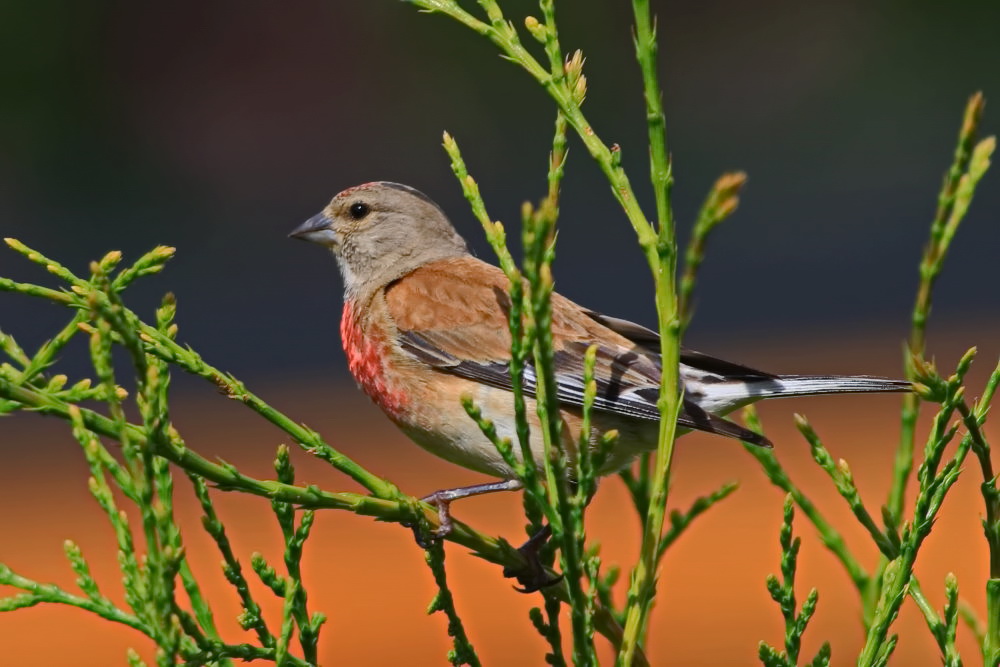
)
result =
(452, 435)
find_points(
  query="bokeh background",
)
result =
(218, 127)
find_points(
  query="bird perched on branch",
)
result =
(425, 323)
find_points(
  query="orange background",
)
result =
(370, 578)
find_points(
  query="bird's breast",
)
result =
(367, 353)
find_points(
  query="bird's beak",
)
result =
(318, 229)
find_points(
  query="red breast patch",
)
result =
(366, 357)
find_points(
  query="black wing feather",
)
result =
(612, 395)
(649, 341)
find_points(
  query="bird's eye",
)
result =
(359, 210)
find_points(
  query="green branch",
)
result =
(967, 168)
(783, 592)
(643, 581)
(721, 203)
(462, 652)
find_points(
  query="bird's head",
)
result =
(380, 232)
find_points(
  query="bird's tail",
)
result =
(723, 397)
(807, 385)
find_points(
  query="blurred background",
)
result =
(218, 127)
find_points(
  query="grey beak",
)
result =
(307, 231)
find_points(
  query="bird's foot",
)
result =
(535, 577)
(442, 500)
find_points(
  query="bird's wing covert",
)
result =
(452, 315)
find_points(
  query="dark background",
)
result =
(217, 127)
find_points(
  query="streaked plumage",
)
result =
(426, 322)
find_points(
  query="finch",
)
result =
(425, 323)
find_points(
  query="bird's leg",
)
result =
(532, 579)
(442, 500)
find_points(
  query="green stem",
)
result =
(233, 571)
(935, 483)
(942, 231)
(660, 169)
(155, 342)
(991, 643)
(662, 256)
(721, 203)
(463, 653)
(227, 477)
(39, 593)
(829, 535)
(679, 522)
(505, 38)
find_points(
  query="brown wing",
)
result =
(458, 307)
(452, 315)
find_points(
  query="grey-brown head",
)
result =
(380, 232)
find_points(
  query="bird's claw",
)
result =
(535, 577)
(425, 538)
(534, 582)
(443, 498)
(442, 501)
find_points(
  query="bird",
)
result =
(425, 324)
